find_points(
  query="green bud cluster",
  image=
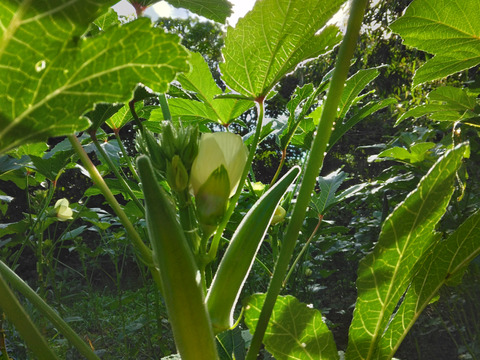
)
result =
(172, 152)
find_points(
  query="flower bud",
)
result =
(212, 197)
(177, 175)
(278, 216)
(63, 211)
(216, 150)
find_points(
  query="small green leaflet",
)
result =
(415, 154)
(45, 64)
(329, 185)
(199, 80)
(273, 39)
(449, 29)
(448, 103)
(385, 274)
(295, 331)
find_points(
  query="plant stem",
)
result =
(314, 164)
(212, 253)
(126, 156)
(3, 346)
(292, 268)
(18, 317)
(280, 166)
(47, 311)
(114, 168)
(144, 252)
(164, 106)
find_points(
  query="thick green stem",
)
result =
(314, 164)
(144, 252)
(119, 176)
(212, 253)
(18, 317)
(19, 285)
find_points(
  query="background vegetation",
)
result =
(88, 271)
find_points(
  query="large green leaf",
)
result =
(447, 260)
(415, 154)
(384, 274)
(274, 38)
(295, 330)
(217, 10)
(448, 104)
(449, 29)
(50, 75)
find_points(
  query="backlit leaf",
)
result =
(328, 187)
(445, 260)
(45, 64)
(200, 81)
(273, 39)
(295, 331)
(384, 274)
(449, 29)
(448, 104)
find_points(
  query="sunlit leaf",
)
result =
(445, 261)
(448, 29)
(416, 153)
(328, 187)
(200, 81)
(295, 330)
(45, 64)
(448, 104)
(384, 274)
(273, 39)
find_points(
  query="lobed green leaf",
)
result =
(407, 233)
(273, 39)
(443, 262)
(295, 330)
(449, 29)
(45, 64)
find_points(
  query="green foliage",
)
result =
(210, 108)
(66, 68)
(449, 104)
(62, 67)
(430, 25)
(280, 36)
(444, 263)
(295, 331)
(386, 273)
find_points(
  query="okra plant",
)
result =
(70, 68)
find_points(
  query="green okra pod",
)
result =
(240, 254)
(180, 276)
